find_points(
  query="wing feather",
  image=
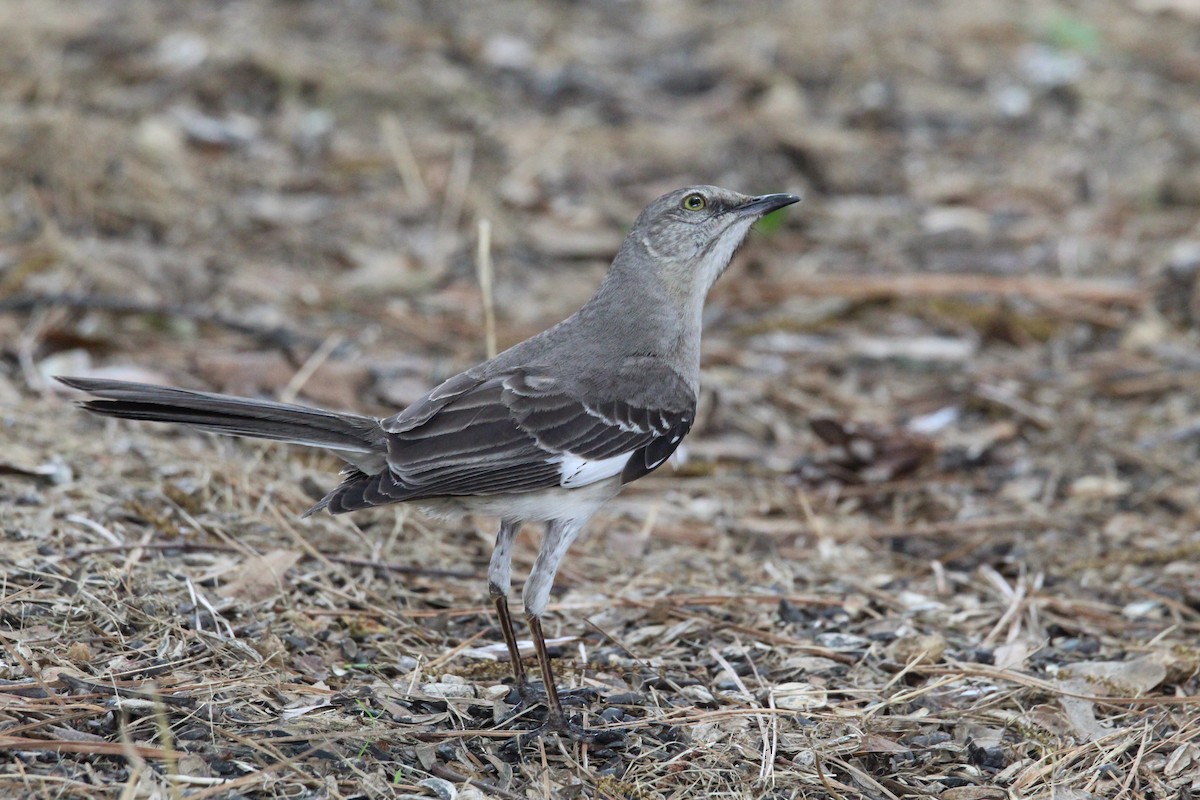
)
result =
(521, 431)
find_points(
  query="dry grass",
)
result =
(937, 532)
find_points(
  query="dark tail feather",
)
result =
(345, 434)
(353, 482)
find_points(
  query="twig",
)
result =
(824, 778)
(200, 601)
(630, 602)
(453, 652)
(1027, 411)
(1015, 601)
(404, 159)
(58, 721)
(92, 687)
(483, 264)
(1147, 730)
(309, 368)
(863, 779)
(69, 746)
(137, 764)
(97, 528)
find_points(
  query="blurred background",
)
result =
(968, 359)
(288, 160)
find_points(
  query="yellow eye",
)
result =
(694, 202)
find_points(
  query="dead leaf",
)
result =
(1105, 678)
(1081, 716)
(1117, 678)
(300, 709)
(1184, 756)
(918, 648)
(872, 743)
(260, 577)
(1011, 655)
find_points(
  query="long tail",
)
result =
(358, 440)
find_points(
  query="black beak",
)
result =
(766, 203)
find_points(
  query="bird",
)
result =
(546, 431)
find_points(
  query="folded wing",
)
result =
(516, 432)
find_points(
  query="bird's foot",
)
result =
(526, 694)
(562, 725)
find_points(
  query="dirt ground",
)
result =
(936, 531)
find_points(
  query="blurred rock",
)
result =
(1013, 102)
(181, 51)
(918, 348)
(504, 51)
(947, 219)
(272, 208)
(235, 130)
(1049, 68)
(799, 696)
(311, 130)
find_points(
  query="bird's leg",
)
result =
(559, 536)
(555, 716)
(499, 582)
(510, 638)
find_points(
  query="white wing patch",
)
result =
(575, 471)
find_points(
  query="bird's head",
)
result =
(691, 234)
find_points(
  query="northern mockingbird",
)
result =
(546, 431)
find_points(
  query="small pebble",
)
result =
(699, 695)
(627, 699)
(443, 788)
(799, 696)
(842, 641)
(612, 714)
(499, 692)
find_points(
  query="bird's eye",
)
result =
(694, 202)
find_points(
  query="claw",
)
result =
(562, 725)
(526, 693)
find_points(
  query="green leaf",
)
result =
(769, 224)
(1071, 33)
